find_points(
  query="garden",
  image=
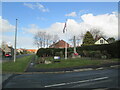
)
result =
(89, 55)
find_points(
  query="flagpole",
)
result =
(66, 50)
(66, 43)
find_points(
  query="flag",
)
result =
(64, 28)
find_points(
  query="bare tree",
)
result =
(38, 39)
(48, 39)
(96, 32)
(42, 39)
(55, 38)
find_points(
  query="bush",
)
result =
(110, 50)
(95, 51)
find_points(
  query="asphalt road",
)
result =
(18, 56)
(107, 78)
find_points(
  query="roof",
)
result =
(99, 37)
(32, 50)
(60, 41)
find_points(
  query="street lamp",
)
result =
(15, 41)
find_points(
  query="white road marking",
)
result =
(115, 66)
(76, 82)
(83, 69)
(100, 68)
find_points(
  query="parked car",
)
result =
(8, 55)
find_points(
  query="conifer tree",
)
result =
(88, 39)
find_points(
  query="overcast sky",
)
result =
(51, 16)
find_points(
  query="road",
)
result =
(18, 56)
(107, 78)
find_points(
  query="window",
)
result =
(101, 41)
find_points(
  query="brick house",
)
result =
(59, 44)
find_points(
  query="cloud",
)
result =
(72, 14)
(32, 28)
(29, 5)
(21, 41)
(37, 6)
(107, 23)
(6, 26)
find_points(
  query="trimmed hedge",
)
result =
(110, 50)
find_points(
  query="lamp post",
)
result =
(15, 41)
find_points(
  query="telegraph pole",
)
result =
(15, 41)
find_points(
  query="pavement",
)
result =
(97, 79)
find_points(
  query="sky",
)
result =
(51, 16)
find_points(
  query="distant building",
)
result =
(20, 50)
(100, 40)
(32, 50)
(59, 44)
(25, 51)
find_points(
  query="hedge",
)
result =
(111, 50)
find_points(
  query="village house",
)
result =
(59, 44)
(7, 49)
(100, 40)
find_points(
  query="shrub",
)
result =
(96, 51)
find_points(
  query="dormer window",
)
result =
(101, 41)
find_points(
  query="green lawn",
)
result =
(75, 62)
(19, 66)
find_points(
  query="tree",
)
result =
(42, 39)
(111, 40)
(96, 32)
(88, 39)
(48, 39)
(55, 38)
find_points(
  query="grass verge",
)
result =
(74, 63)
(18, 66)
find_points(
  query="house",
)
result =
(100, 40)
(59, 44)
(7, 49)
